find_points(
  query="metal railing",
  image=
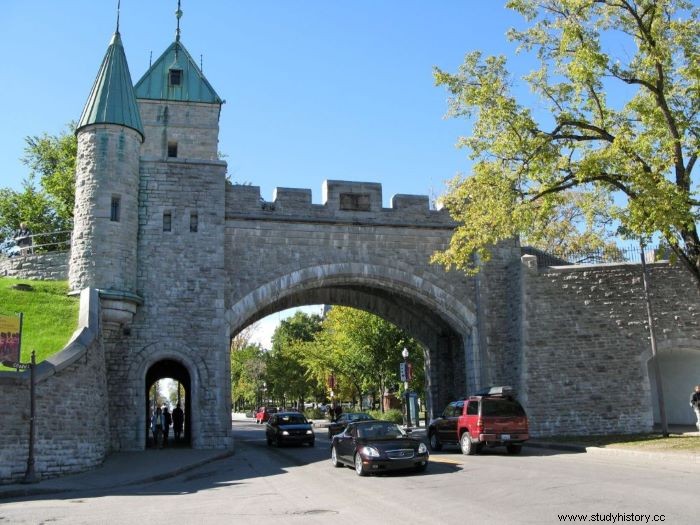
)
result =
(40, 243)
(625, 254)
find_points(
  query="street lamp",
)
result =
(404, 353)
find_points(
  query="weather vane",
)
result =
(178, 15)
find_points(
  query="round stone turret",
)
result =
(105, 218)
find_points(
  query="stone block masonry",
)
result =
(71, 403)
(51, 266)
(585, 345)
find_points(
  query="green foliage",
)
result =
(362, 351)
(50, 315)
(394, 415)
(287, 374)
(46, 200)
(313, 413)
(247, 371)
(550, 176)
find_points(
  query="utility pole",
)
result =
(654, 356)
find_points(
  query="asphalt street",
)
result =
(264, 485)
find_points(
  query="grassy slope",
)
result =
(50, 316)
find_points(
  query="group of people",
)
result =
(161, 420)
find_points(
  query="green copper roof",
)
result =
(193, 87)
(112, 99)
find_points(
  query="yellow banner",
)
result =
(9, 338)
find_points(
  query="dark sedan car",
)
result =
(289, 427)
(377, 446)
(337, 426)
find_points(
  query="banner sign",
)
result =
(10, 337)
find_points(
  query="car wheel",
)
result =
(465, 442)
(359, 467)
(435, 442)
(514, 448)
(269, 441)
(334, 458)
(312, 442)
(276, 441)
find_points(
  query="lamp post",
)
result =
(404, 353)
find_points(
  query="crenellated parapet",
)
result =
(343, 201)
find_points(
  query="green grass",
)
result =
(50, 316)
(644, 442)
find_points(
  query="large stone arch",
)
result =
(443, 323)
(132, 432)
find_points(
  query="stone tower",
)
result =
(104, 243)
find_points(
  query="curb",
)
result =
(35, 490)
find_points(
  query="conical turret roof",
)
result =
(112, 99)
(189, 85)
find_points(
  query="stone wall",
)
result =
(585, 344)
(52, 266)
(71, 406)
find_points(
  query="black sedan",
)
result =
(289, 427)
(337, 426)
(377, 446)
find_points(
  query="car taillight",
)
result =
(480, 425)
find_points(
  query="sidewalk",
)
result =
(121, 469)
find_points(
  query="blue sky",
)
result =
(314, 90)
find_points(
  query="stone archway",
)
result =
(441, 322)
(152, 362)
(170, 368)
(679, 361)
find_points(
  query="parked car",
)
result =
(263, 414)
(289, 427)
(492, 418)
(377, 446)
(337, 426)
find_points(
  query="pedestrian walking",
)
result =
(157, 427)
(178, 420)
(167, 421)
(695, 404)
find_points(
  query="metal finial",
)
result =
(178, 15)
(119, 3)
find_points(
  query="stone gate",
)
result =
(182, 260)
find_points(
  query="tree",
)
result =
(287, 375)
(247, 369)
(46, 200)
(362, 351)
(636, 146)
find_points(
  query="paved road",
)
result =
(297, 484)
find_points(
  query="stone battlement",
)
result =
(359, 202)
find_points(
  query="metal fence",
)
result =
(40, 243)
(625, 254)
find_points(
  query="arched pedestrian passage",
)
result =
(169, 368)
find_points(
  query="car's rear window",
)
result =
(359, 417)
(501, 408)
(292, 419)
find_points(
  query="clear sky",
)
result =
(314, 89)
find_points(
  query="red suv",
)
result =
(490, 418)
